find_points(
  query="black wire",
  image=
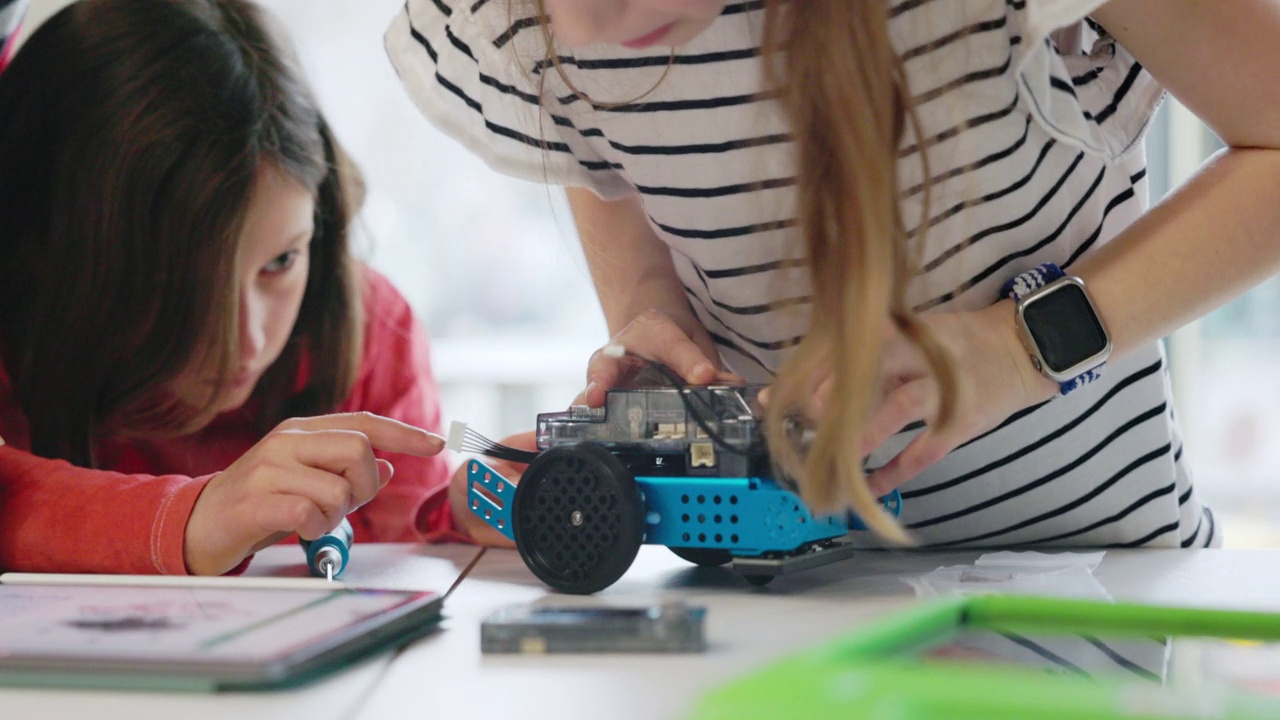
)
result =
(474, 442)
(757, 446)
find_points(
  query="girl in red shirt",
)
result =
(193, 364)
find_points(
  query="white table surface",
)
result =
(444, 675)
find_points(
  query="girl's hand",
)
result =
(303, 477)
(476, 528)
(652, 335)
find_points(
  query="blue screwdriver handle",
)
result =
(334, 547)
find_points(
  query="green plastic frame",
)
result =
(870, 673)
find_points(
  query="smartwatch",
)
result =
(1059, 326)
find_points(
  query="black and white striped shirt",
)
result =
(1034, 118)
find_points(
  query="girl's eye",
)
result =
(281, 263)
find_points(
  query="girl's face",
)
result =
(272, 262)
(636, 24)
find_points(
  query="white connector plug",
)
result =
(457, 434)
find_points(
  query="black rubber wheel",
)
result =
(758, 580)
(578, 518)
(703, 557)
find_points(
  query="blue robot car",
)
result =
(683, 466)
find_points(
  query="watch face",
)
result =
(1065, 327)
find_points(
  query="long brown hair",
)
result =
(844, 89)
(131, 135)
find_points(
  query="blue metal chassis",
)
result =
(746, 516)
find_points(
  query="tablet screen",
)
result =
(105, 626)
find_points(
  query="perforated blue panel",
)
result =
(746, 516)
(489, 495)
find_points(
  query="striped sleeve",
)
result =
(1082, 86)
(472, 68)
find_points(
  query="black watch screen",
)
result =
(1065, 327)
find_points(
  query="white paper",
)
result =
(1045, 561)
(1020, 573)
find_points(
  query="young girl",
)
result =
(177, 283)
(850, 199)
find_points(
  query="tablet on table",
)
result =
(202, 637)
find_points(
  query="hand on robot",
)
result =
(994, 379)
(651, 337)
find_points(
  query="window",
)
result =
(1227, 391)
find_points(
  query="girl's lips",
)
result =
(651, 39)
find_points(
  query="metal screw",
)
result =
(576, 517)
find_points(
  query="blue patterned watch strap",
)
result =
(1037, 277)
(1080, 380)
(1023, 285)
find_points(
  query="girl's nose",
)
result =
(253, 335)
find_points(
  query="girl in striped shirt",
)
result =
(832, 196)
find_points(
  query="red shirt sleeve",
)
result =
(56, 517)
(396, 381)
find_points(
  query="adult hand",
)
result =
(476, 528)
(994, 379)
(651, 336)
(304, 477)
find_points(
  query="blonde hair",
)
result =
(832, 61)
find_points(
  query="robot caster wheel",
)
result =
(578, 518)
(758, 580)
